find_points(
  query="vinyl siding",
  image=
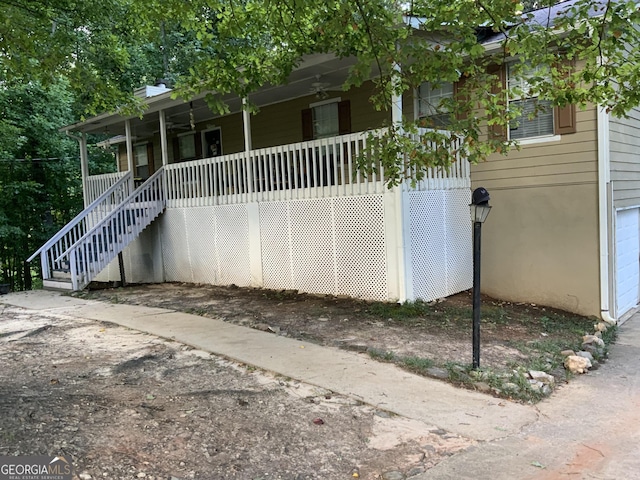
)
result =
(281, 123)
(625, 159)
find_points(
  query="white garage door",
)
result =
(627, 259)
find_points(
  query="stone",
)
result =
(593, 340)
(438, 373)
(566, 353)
(84, 476)
(543, 377)
(576, 364)
(586, 355)
(482, 386)
(393, 475)
(600, 327)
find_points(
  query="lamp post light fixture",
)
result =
(480, 209)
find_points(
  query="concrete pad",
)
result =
(386, 386)
(42, 300)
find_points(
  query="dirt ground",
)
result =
(441, 331)
(127, 405)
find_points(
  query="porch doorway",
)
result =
(212, 143)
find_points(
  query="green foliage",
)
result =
(40, 184)
(106, 48)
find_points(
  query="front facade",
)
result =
(274, 200)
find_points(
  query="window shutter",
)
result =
(307, 124)
(459, 97)
(344, 117)
(565, 120)
(565, 117)
(151, 164)
(498, 131)
(198, 144)
(176, 150)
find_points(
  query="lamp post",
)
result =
(479, 208)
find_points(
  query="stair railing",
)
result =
(90, 254)
(80, 225)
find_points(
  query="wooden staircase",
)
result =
(85, 246)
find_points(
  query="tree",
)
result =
(40, 183)
(105, 47)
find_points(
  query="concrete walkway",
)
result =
(436, 403)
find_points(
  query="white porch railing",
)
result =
(314, 169)
(96, 184)
(102, 206)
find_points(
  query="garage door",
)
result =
(627, 259)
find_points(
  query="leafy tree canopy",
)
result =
(589, 51)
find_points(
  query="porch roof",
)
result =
(328, 69)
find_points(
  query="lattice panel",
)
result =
(360, 247)
(459, 241)
(428, 244)
(174, 246)
(312, 245)
(232, 245)
(275, 245)
(200, 230)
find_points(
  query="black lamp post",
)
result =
(479, 211)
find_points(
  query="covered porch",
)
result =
(271, 200)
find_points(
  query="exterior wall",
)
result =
(540, 242)
(282, 123)
(625, 159)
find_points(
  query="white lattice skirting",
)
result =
(378, 247)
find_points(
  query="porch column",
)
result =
(84, 167)
(246, 121)
(127, 129)
(163, 138)
(396, 101)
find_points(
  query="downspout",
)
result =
(84, 164)
(604, 182)
(402, 218)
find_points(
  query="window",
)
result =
(430, 99)
(326, 119)
(141, 160)
(187, 146)
(536, 115)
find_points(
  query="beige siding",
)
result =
(282, 123)
(625, 159)
(540, 242)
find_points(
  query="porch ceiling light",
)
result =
(479, 206)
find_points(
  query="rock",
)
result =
(576, 364)
(592, 340)
(84, 476)
(323, 319)
(438, 373)
(542, 377)
(355, 347)
(510, 387)
(482, 386)
(393, 475)
(586, 355)
(566, 353)
(263, 327)
(600, 327)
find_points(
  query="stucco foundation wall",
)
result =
(539, 245)
(540, 242)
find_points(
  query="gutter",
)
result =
(604, 183)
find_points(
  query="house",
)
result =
(274, 200)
